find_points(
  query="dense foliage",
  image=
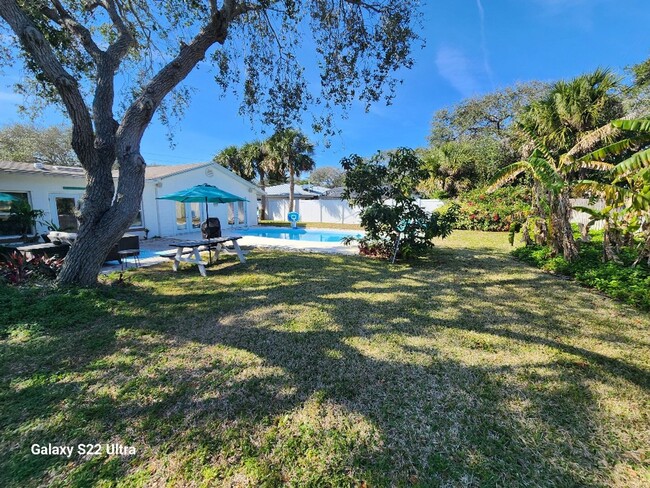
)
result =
(618, 280)
(31, 144)
(383, 187)
(496, 211)
(16, 269)
(472, 140)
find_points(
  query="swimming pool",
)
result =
(310, 235)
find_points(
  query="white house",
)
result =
(56, 190)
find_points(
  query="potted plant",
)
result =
(51, 227)
(24, 216)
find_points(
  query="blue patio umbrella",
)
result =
(203, 193)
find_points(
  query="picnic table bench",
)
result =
(195, 247)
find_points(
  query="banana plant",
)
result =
(627, 195)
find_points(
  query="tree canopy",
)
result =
(327, 176)
(31, 144)
(74, 51)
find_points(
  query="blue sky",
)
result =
(472, 47)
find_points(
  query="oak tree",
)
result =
(78, 51)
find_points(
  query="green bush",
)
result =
(620, 281)
(496, 211)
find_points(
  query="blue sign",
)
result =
(293, 217)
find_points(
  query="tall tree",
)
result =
(75, 49)
(559, 128)
(292, 151)
(31, 144)
(472, 140)
(327, 176)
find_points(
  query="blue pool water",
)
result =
(311, 235)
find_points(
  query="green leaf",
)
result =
(636, 162)
(608, 151)
(507, 174)
(642, 125)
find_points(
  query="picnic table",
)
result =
(216, 244)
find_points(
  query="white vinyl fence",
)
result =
(329, 211)
(582, 217)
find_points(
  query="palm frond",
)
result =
(595, 214)
(610, 151)
(597, 165)
(592, 139)
(641, 125)
(507, 174)
(636, 162)
(546, 174)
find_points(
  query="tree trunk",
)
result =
(103, 221)
(291, 186)
(562, 240)
(263, 186)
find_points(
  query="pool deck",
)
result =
(163, 244)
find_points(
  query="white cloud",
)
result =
(484, 48)
(454, 67)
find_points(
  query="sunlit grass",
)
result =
(466, 368)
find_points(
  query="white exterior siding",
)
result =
(166, 226)
(41, 189)
(159, 216)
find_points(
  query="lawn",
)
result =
(467, 368)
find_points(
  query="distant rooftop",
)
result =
(38, 168)
(152, 172)
(299, 190)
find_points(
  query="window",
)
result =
(65, 212)
(231, 214)
(8, 227)
(137, 222)
(241, 213)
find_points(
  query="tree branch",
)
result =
(41, 52)
(77, 30)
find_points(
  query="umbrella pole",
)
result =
(207, 226)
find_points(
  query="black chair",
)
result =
(211, 228)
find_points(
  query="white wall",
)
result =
(582, 217)
(162, 221)
(159, 216)
(40, 189)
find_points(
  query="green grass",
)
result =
(467, 368)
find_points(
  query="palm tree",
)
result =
(232, 158)
(560, 128)
(292, 151)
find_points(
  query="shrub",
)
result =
(496, 211)
(384, 188)
(16, 269)
(618, 280)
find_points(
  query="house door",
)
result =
(62, 208)
(188, 217)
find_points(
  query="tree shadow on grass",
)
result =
(312, 368)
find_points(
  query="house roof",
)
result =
(155, 172)
(151, 172)
(299, 190)
(46, 169)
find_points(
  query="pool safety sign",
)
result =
(293, 217)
